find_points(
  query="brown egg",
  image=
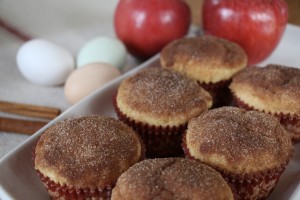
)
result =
(85, 80)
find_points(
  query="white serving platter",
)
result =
(18, 180)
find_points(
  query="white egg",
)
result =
(87, 79)
(44, 62)
(104, 50)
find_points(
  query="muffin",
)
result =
(82, 157)
(158, 103)
(249, 148)
(171, 178)
(207, 59)
(272, 89)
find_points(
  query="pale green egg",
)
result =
(103, 49)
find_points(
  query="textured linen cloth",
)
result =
(68, 23)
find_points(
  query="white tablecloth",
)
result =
(68, 23)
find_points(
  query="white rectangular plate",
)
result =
(18, 180)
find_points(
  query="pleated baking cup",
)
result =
(219, 91)
(65, 192)
(290, 122)
(159, 141)
(248, 186)
(215, 86)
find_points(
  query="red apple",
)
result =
(256, 25)
(146, 26)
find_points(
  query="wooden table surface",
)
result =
(293, 5)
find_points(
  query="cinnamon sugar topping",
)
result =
(171, 178)
(203, 49)
(158, 90)
(207, 59)
(87, 151)
(273, 88)
(272, 77)
(238, 140)
(162, 93)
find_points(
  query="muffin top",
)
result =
(274, 88)
(88, 151)
(238, 141)
(171, 178)
(161, 97)
(207, 59)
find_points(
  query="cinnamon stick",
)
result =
(14, 31)
(29, 110)
(20, 126)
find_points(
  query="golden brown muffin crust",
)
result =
(273, 88)
(205, 59)
(171, 178)
(238, 141)
(89, 151)
(161, 94)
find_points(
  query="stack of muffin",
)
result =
(179, 134)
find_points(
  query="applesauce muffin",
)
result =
(273, 89)
(207, 59)
(158, 103)
(171, 178)
(249, 148)
(82, 157)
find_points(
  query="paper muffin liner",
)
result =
(58, 191)
(219, 91)
(215, 86)
(159, 141)
(290, 122)
(256, 185)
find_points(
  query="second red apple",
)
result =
(256, 25)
